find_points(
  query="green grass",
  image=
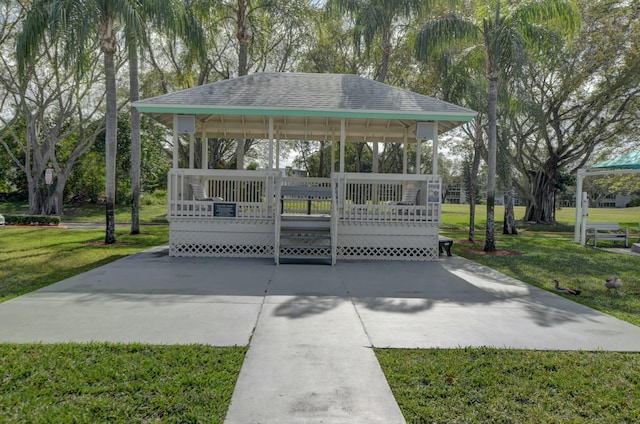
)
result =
(153, 209)
(34, 257)
(511, 386)
(112, 383)
(456, 217)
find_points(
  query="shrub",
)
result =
(32, 220)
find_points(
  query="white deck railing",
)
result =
(248, 194)
(256, 195)
(383, 197)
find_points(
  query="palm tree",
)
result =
(176, 20)
(376, 18)
(75, 23)
(504, 40)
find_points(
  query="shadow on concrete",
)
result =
(302, 290)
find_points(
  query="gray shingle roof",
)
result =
(306, 91)
(304, 106)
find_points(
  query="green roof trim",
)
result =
(206, 110)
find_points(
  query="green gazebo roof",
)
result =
(629, 161)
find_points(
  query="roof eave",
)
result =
(463, 116)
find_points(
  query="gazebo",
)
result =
(625, 164)
(242, 213)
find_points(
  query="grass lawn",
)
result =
(153, 209)
(34, 257)
(456, 217)
(113, 383)
(513, 386)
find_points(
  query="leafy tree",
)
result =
(503, 38)
(580, 100)
(174, 19)
(75, 23)
(375, 23)
(87, 181)
(48, 115)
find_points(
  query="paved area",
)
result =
(310, 327)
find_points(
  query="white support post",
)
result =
(175, 141)
(585, 213)
(578, 223)
(405, 147)
(278, 151)
(434, 166)
(418, 155)
(343, 136)
(270, 167)
(333, 152)
(192, 143)
(204, 157)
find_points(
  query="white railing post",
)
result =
(334, 221)
(277, 221)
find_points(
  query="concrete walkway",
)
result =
(310, 328)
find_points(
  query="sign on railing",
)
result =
(224, 210)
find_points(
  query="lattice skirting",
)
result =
(390, 248)
(301, 252)
(217, 244)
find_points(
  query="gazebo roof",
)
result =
(629, 161)
(305, 106)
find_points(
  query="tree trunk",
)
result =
(490, 242)
(473, 185)
(359, 148)
(134, 95)
(374, 158)
(386, 54)
(55, 196)
(110, 145)
(540, 208)
(243, 36)
(382, 76)
(509, 225)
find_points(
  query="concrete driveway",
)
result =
(310, 327)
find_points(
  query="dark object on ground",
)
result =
(564, 290)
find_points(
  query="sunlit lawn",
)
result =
(457, 217)
(153, 209)
(33, 257)
(114, 383)
(513, 386)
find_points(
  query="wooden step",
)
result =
(299, 259)
(315, 237)
(305, 229)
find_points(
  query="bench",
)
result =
(199, 194)
(445, 243)
(598, 231)
(304, 193)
